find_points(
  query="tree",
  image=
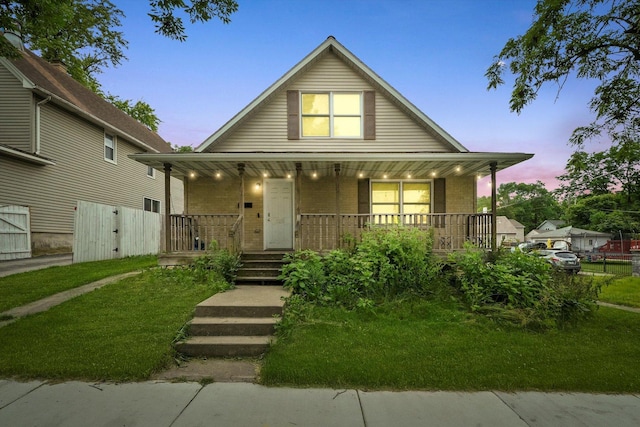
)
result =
(140, 110)
(529, 204)
(84, 35)
(608, 213)
(591, 39)
(617, 168)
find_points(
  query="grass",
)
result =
(435, 346)
(623, 291)
(121, 332)
(23, 288)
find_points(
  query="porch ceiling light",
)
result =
(258, 185)
(314, 175)
(265, 175)
(218, 174)
(288, 176)
(385, 176)
(458, 169)
(192, 174)
(433, 174)
(360, 175)
(409, 175)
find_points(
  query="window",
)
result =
(109, 148)
(400, 197)
(330, 114)
(151, 172)
(151, 205)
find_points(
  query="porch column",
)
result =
(241, 204)
(338, 225)
(298, 242)
(167, 207)
(494, 206)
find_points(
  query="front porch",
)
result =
(192, 234)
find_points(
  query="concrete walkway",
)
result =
(239, 404)
(15, 266)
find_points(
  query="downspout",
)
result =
(37, 119)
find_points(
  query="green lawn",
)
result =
(623, 291)
(20, 289)
(432, 346)
(121, 332)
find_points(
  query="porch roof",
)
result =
(371, 165)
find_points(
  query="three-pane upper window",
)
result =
(332, 114)
(109, 148)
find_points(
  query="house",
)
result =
(326, 151)
(509, 230)
(576, 239)
(550, 224)
(59, 144)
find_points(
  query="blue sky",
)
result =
(435, 52)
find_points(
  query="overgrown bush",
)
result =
(521, 288)
(385, 264)
(218, 261)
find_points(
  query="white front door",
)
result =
(278, 214)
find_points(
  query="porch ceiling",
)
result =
(370, 165)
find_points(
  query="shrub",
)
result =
(521, 288)
(386, 264)
(218, 262)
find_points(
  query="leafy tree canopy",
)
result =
(591, 39)
(529, 204)
(615, 169)
(608, 213)
(85, 35)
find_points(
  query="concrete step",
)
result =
(262, 263)
(276, 255)
(225, 346)
(221, 326)
(258, 272)
(244, 301)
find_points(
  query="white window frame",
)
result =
(114, 141)
(153, 202)
(332, 115)
(401, 212)
(152, 174)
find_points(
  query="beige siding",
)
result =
(267, 129)
(15, 112)
(80, 173)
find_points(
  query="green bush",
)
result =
(521, 288)
(385, 264)
(216, 262)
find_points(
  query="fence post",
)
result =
(635, 262)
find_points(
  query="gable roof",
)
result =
(332, 45)
(47, 80)
(569, 231)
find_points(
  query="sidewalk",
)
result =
(240, 404)
(36, 263)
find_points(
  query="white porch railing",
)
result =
(196, 232)
(320, 232)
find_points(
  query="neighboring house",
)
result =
(550, 224)
(326, 151)
(509, 230)
(61, 143)
(578, 239)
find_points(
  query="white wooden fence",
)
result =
(108, 232)
(15, 232)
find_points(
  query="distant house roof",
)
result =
(48, 80)
(569, 231)
(551, 224)
(505, 225)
